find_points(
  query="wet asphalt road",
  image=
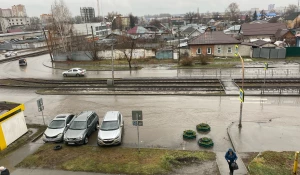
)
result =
(36, 69)
(165, 117)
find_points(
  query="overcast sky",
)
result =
(143, 7)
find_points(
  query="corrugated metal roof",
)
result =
(213, 38)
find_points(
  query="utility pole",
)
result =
(178, 45)
(242, 93)
(48, 44)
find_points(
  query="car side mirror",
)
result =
(68, 125)
(121, 125)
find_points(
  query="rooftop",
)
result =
(262, 29)
(83, 116)
(213, 38)
(7, 106)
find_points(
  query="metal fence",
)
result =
(269, 53)
(293, 51)
(234, 73)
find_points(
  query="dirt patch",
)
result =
(203, 168)
(248, 157)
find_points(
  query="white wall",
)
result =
(14, 127)
(136, 54)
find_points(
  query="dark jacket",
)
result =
(229, 157)
(5, 172)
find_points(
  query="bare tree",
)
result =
(290, 9)
(62, 24)
(190, 16)
(127, 46)
(233, 11)
(111, 15)
(77, 20)
(35, 24)
(155, 23)
(263, 15)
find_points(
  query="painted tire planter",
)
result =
(189, 134)
(205, 142)
(203, 127)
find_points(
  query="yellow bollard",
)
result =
(296, 163)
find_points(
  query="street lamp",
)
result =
(112, 53)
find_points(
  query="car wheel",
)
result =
(65, 75)
(86, 140)
(77, 75)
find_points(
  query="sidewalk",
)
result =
(259, 137)
(223, 165)
(50, 172)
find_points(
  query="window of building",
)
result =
(229, 50)
(20, 19)
(219, 50)
(16, 19)
(97, 33)
(209, 50)
(17, 23)
(199, 51)
(21, 22)
(12, 20)
(97, 28)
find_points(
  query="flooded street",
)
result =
(37, 68)
(165, 117)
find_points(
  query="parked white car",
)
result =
(57, 128)
(74, 72)
(111, 129)
(10, 53)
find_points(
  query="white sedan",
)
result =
(74, 72)
(10, 53)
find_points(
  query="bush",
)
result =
(203, 127)
(189, 134)
(203, 59)
(187, 62)
(205, 142)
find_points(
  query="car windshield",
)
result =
(57, 124)
(78, 125)
(109, 125)
(80, 69)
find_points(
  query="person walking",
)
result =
(231, 158)
(4, 171)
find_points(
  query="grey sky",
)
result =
(143, 7)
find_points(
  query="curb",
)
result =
(133, 69)
(233, 146)
(37, 137)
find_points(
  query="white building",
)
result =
(19, 10)
(99, 29)
(5, 13)
(7, 23)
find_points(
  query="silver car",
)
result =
(56, 129)
(81, 128)
(111, 129)
(74, 72)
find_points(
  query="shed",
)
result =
(12, 123)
